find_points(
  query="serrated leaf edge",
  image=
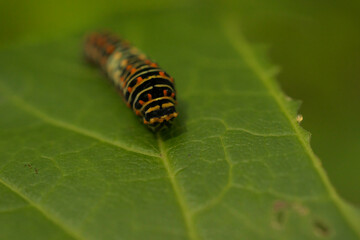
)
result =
(241, 45)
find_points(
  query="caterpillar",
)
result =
(147, 89)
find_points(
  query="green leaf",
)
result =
(75, 163)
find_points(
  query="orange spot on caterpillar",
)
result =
(141, 102)
(128, 67)
(110, 48)
(128, 105)
(172, 95)
(129, 89)
(165, 92)
(100, 41)
(162, 74)
(172, 79)
(147, 61)
(137, 112)
(145, 122)
(139, 80)
(122, 79)
(133, 70)
(149, 96)
(153, 65)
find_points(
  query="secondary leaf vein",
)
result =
(70, 127)
(55, 220)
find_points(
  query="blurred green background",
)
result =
(316, 44)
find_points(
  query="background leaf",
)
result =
(76, 163)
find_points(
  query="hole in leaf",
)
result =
(321, 229)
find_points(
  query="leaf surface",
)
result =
(75, 163)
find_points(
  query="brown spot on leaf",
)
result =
(279, 204)
(280, 211)
(301, 209)
(28, 165)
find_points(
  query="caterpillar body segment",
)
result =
(147, 89)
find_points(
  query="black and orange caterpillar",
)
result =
(147, 89)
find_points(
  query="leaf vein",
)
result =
(217, 199)
(21, 104)
(52, 218)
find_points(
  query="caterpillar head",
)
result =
(160, 116)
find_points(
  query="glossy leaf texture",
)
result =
(75, 162)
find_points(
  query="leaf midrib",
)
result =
(191, 230)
